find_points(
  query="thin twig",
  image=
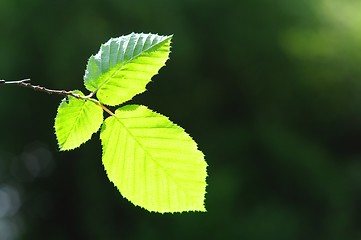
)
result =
(15, 82)
(25, 83)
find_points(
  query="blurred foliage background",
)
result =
(270, 90)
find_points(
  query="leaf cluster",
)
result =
(153, 162)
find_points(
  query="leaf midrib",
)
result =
(76, 121)
(147, 153)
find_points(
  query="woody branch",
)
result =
(26, 83)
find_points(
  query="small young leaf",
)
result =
(152, 161)
(123, 66)
(76, 121)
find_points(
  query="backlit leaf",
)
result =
(152, 161)
(123, 66)
(76, 121)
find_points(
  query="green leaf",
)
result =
(76, 121)
(152, 161)
(123, 66)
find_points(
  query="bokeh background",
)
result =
(270, 90)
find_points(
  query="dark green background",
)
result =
(270, 90)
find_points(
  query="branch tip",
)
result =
(26, 83)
